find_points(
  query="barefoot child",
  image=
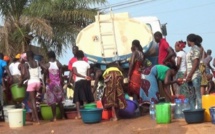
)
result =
(82, 92)
(113, 97)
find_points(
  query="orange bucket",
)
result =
(106, 114)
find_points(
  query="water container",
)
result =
(185, 105)
(6, 108)
(152, 110)
(163, 113)
(178, 109)
(212, 113)
(15, 117)
(207, 102)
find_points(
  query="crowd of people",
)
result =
(174, 74)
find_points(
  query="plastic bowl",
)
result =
(129, 111)
(90, 106)
(18, 93)
(194, 116)
(91, 115)
(212, 113)
(46, 112)
(71, 114)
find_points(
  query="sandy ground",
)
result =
(140, 125)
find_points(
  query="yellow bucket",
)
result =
(207, 102)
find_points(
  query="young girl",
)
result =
(30, 71)
(113, 96)
(54, 89)
(82, 92)
(181, 65)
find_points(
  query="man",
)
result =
(207, 61)
(3, 66)
(73, 60)
(165, 51)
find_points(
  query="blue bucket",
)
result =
(91, 115)
(212, 113)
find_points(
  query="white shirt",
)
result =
(14, 68)
(81, 67)
(182, 55)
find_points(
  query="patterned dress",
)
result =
(113, 92)
(54, 89)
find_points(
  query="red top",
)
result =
(73, 60)
(163, 46)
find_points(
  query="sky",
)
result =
(182, 17)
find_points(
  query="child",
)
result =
(82, 92)
(211, 85)
(113, 96)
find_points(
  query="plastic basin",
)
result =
(90, 106)
(18, 93)
(129, 111)
(194, 116)
(71, 114)
(46, 112)
(212, 114)
(91, 115)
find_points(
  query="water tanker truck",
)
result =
(109, 38)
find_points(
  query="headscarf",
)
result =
(18, 56)
(6, 58)
(23, 57)
(181, 44)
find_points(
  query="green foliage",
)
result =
(53, 23)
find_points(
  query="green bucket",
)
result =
(18, 93)
(46, 112)
(24, 117)
(163, 113)
(90, 106)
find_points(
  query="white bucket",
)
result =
(6, 108)
(15, 117)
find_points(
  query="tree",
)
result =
(51, 23)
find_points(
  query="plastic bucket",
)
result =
(15, 117)
(46, 112)
(90, 106)
(194, 116)
(212, 113)
(6, 108)
(18, 93)
(208, 101)
(129, 111)
(163, 113)
(24, 116)
(106, 114)
(91, 115)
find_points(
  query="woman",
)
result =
(193, 73)
(202, 66)
(181, 65)
(31, 72)
(14, 69)
(82, 92)
(134, 73)
(54, 88)
(149, 90)
(113, 96)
